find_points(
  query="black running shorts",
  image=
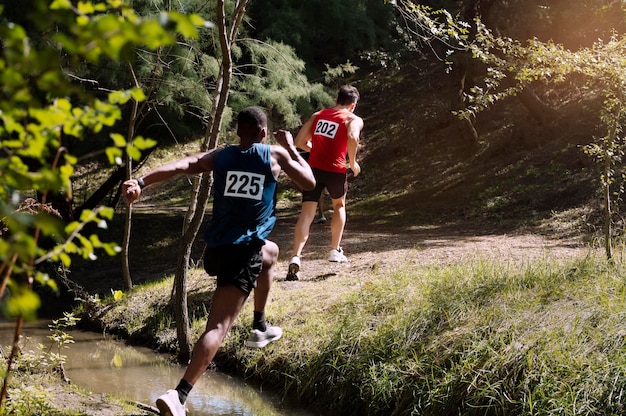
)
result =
(238, 265)
(335, 183)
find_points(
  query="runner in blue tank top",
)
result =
(238, 252)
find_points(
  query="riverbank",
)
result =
(48, 394)
(427, 320)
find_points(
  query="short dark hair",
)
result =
(347, 95)
(253, 117)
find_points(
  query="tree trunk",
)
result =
(609, 162)
(608, 211)
(202, 187)
(539, 110)
(468, 131)
(128, 281)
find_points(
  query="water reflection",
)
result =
(102, 364)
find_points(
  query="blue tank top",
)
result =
(244, 196)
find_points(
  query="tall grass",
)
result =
(486, 337)
(483, 338)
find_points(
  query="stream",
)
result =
(103, 364)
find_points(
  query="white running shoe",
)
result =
(337, 256)
(259, 339)
(170, 405)
(293, 272)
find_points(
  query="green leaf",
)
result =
(69, 228)
(95, 240)
(133, 152)
(45, 280)
(185, 26)
(138, 94)
(106, 212)
(119, 97)
(85, 7)
(87, 215)
(22, 301)
(115, 155)
(60, 5)
(144, 143)
(118, 140)
(111, 248)
(70, 159)
(49, 224)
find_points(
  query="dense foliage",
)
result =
(512, 67)
(327, 33)
(41, 108)
(69, 73)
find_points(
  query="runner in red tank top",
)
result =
(332, 138)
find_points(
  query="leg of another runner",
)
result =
(338, 221)
(303, 226)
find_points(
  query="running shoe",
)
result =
(319, 220)
(337, 256)
(293, 272)
(259, 339)
(169, 404)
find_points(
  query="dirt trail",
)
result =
(368, 246)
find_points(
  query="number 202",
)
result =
(326, 128)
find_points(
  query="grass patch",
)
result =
(485, 337)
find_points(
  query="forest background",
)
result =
(498, 116)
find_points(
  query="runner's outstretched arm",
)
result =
(190, 165)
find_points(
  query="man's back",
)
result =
(329, 140)
(245, 191)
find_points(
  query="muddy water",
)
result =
(102, 364)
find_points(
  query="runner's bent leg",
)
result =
(226, 305)
(263, 333)
(264, 281)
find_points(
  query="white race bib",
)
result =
(244, 185)
(326, 128)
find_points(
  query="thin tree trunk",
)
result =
(128, 281)
(469, 130)
(608, 167)
(607, 211)
(202, 186)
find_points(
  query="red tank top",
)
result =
(329, 141)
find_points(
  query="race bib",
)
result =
(326, 128)
(244, 185)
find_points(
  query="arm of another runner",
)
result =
(190, 165)
(354, 125)
(303, 138)
(291, 162)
